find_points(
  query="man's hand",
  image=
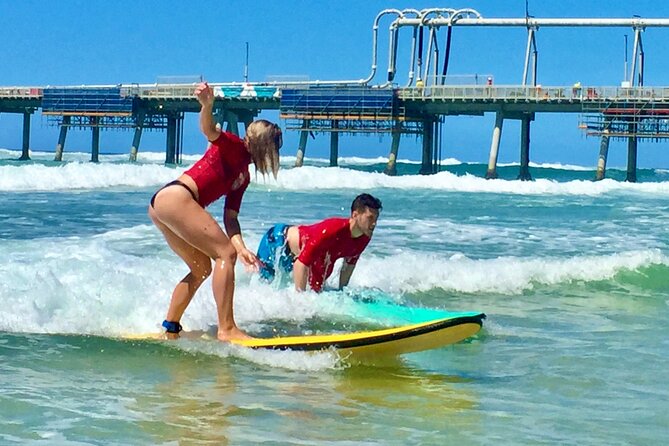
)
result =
(345, 274)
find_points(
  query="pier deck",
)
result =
(617, 112)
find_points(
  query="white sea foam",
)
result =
(557, 166)
(504, 275)
(356, 160)
(309, 177)
(150, 172)
(292, 360)
(120, 282)
(77, 175)
(84, 157)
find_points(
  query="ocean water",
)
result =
(573, 275)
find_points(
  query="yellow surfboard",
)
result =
(376, 343)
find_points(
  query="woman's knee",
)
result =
(228, 254)
(201, 270)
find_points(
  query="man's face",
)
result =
(366, 220)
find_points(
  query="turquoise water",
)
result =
(573, 275)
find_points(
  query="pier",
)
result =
(631, 111)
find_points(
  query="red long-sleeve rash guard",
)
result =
(222, 170)
(325, 242)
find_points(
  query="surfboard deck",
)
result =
(385, 342)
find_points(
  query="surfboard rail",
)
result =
(361, 339)
(386, 342)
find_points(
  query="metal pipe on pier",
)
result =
(538, 23)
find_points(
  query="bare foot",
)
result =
(171, 335)
(233, 334)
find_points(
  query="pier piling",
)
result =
(603, 155)
(247, 119)
(25, 152)
(524, 174)
(426, 167)
(334, 144)
(171, 140)
(137, 137)
(302, 147)
(631, 155)
(61, 138)
(391, 168)
(232, 122)
(95, 143)
(491, 173)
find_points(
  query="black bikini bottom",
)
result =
(174, 183)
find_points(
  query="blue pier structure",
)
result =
(630, 112)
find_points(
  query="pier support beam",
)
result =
(171, 140)
(304, 134)
(232, 122)
(524, 174)
(219, 118)
(426, 167)
(631, 154)
(334, 144)
(391, 168)
(603, 155)
(25, 152)
(95, 143)
(247, 119)
(436, 146)
(178, 139)
(61, 138)
(491, 173)
(137, 137)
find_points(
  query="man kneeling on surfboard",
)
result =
(310, 251)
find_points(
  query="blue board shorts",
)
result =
(274, 252)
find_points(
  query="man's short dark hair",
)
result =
(363, 201)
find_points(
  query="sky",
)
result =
(73, 42)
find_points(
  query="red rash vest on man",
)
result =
(223, 170)
(325, 242)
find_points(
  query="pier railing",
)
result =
(453, 92)
(20, 92)
(182, 92)
(513, 93)
(507, 93)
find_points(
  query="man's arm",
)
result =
(300, 275)
(345, 274)
(205, 96)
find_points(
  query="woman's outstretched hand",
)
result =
(204, 94)
(249, 260)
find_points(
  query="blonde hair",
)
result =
(264, 140)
